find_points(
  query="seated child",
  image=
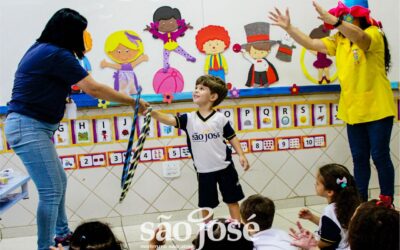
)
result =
(261, 210)
(206, 131)
(337, 185)
(93, 235)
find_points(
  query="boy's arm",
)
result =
(242, 158)
(164, 118)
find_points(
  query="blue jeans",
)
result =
(372, 139)
(31, 141)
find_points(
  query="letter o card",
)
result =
(230, 115)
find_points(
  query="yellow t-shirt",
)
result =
(366, 94)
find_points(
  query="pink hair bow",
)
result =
(342, 182)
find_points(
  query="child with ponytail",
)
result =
(337, 185)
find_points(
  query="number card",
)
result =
(284, 116)
(283, 143)
(262, 144)
(151, 133)
(61, 135)
(246, 118)
(152, 154)
(116, 158)
(122, 127)
(102, 130)
(81, 131)
(92, 160)
(289, 143)
(398, 109)
(68, 162)
(333, 120)
(314, 141)
(302, 115)
(2, 139)
(178, 152)
(164, 130)
(229, 114)
(265, 117)
(244, 144)
(320, 114)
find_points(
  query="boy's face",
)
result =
(214, 47)
(202, 95)
(258, 54)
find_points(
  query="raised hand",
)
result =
(281, 20)
(324, 15)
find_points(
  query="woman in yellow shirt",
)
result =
(366, 100)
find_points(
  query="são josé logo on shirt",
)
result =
(205, 136)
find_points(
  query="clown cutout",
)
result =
(125, 48)
(262, 73)
(213, 40)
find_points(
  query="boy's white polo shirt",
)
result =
(206, 140)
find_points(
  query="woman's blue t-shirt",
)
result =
(43, 81)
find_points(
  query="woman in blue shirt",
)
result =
(42, 83)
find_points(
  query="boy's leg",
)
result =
(231, 190)
(208, 193)
(234, 210)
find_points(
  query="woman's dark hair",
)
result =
(166, 13)
(262, 207)
(65, 29)
(363, 25)
(227, 241)
(95, 236)
(374, 227)
(346, 196)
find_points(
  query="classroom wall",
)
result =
(285, 175)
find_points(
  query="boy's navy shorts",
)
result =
(228, 182)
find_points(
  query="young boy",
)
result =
(206, 132)
(261, 210)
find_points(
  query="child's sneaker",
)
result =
(63, 240)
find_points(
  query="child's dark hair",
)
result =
(228, 239)
(374, 227)
(216, 86)
(166, 13)
(338, 179)
(94, 235)
(262, 207)
(65, 29)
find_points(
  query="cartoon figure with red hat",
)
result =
(262, 73)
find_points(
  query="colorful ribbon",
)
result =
(136, 155)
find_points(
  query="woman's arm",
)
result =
(350, 31)
(102, 91)
(283, 21)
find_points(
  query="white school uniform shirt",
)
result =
(272, 239)
(206, 140)
(330, 230)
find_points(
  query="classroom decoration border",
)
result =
(112, 128)
(181, 152)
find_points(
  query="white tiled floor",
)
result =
(130, 235)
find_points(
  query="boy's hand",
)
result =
(244, 162)
(158, 238)
(305, 214)
(59, 247)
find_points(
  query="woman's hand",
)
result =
(279, 19)
(143, 105)
(324, 15)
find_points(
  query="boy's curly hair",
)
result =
(216, 86)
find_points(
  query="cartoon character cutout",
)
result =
(285, 49)
(126, 49)
(322, 63)
(168, 26)
(262, 73)
(84, 62)
(213, 40)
